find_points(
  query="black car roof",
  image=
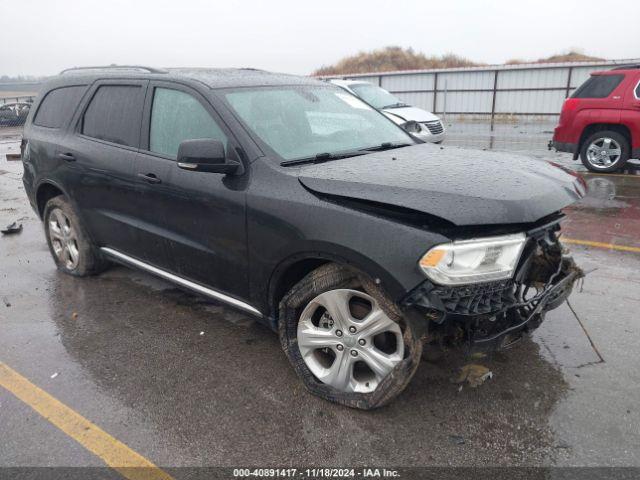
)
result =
(211, 77)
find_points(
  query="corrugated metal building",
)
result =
(534, 90)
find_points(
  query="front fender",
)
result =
(332, 252)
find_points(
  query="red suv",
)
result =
(601, 120)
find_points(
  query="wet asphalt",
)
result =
(187, 382)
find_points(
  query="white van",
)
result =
(420, 123)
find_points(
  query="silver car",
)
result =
(420, 123)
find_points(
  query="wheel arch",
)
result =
(45, 191)
(597, 127)
(295, 267)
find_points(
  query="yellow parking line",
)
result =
(113, 452)
(609, 246)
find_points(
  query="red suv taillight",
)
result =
(570, 104)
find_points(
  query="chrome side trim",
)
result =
(181, 281)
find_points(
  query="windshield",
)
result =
(376, 96)
(305, 121)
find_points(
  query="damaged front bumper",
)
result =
(493, 315)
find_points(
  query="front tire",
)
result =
(605, 151)
(69, 244)
(346, 339)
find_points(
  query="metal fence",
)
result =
(500, 93)
(493, 94)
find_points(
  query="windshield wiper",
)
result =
(384, 146)
(327, 157)
(322, 157)
(394, 105)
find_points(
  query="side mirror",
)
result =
(205, 155)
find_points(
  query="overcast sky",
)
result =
(297, 36)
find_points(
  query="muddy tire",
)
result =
(364, 357)
(605, 151)
(69, 244)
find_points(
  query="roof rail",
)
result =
(631, 66)
(115, 67)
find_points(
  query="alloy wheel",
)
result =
(347, 341)
(64, 240)
(603, 152)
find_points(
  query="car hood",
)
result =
(406, 114)
(464, 187)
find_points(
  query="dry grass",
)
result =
(570, 56)
(393, 58)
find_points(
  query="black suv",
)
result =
(294, 201)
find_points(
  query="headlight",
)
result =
(473, 261)
(412, 127)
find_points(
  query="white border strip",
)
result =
(181, 281)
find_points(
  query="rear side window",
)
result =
(638, 90)
(114, 114)
(58, 106)
(598, 86)
(177, 116)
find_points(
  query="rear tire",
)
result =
(365, 356)
(69, 244)
(605, 151)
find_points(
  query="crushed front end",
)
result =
(494, 315)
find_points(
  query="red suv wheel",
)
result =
(605, 151)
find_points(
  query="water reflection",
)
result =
(230, 392)
(609, 213)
